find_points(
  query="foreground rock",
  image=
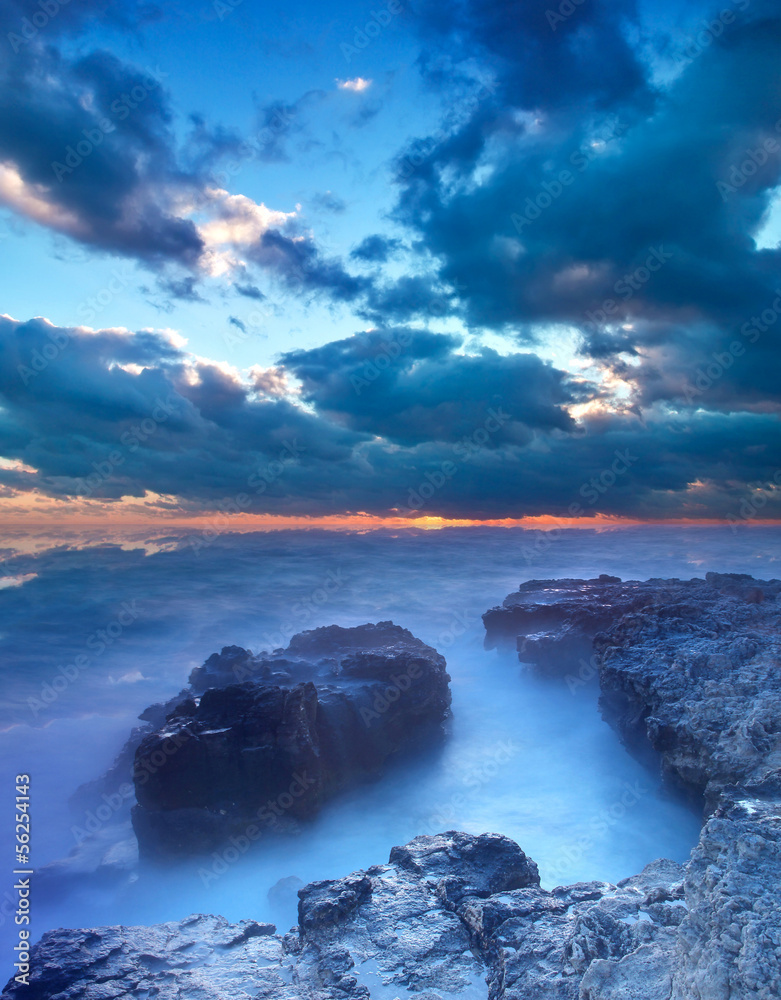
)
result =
(449, 916)
(690, 676)
(261, 741)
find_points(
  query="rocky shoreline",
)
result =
(690, 677)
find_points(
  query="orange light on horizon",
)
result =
(31, 510)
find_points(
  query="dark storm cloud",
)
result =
(619, 206)
(299, 262)
(376, 249)
(410, 296)
(108, 169)
(411, 387)
(393, 420)
(93, 139)
(250, 292)
(546, 54)
(25, 22)
(181, 427)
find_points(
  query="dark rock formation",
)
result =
(260, 742)
(553, 622)
(689, 671)
(449, 916)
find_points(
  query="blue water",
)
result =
(524, 757)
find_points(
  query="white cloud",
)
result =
(356, 85)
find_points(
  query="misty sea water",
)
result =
(524, 757)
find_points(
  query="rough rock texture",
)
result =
(449, 916)
(260, 742)
(690, 676)
(200, 958)
(688, 669)
(553, 622)
(730, 943)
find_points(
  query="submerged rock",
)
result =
(260, 742)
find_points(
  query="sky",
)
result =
(497, 262)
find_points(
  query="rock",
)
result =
(396, 930)
(486, 864)
(687, 669)
(689, 676)
(730, 942)
(261, 741)
(553, 622)
(107, 857)
(202, 957)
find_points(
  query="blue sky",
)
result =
(359, 232)
(227, 69)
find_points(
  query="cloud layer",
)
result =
(588, 224)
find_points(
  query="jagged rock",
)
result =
(553, 622)
(261, 741)
(689, 676)
(687, 669)
(696, 678)
(396, 930)
(730, 942)
(200, 958)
